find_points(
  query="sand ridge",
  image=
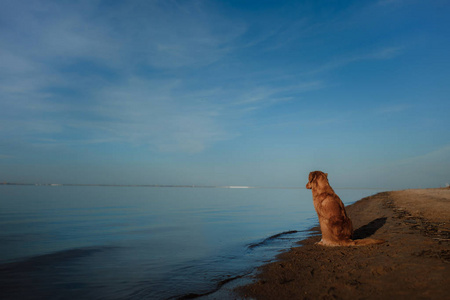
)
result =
(414, 263)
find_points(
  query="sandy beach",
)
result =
(413, 263)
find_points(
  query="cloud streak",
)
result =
(380, 54)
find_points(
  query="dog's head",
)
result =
(315, 177)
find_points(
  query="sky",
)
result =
(254, 93)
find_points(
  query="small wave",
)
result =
(220, 284)
(58, 257)
(271, 238)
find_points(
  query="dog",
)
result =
(336, 226)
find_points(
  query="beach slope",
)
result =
(413, 263)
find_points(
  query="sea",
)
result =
(107, 242)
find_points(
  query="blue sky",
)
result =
(225, 92)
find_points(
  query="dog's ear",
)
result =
(326, 175)
(312, 175)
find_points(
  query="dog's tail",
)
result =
(365, 242)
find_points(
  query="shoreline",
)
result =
(414, 262)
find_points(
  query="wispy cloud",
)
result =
(162, 34)
(150, 112)
(379, 54)
(435, 157)
(392, 109)
(269, 95)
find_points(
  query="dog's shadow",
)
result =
(369, 229)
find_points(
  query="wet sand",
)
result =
(413, 263)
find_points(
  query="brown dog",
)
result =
(336, 226)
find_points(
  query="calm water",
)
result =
(134, 242)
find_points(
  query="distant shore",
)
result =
(414, 263)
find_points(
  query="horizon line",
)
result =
(177, 186)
